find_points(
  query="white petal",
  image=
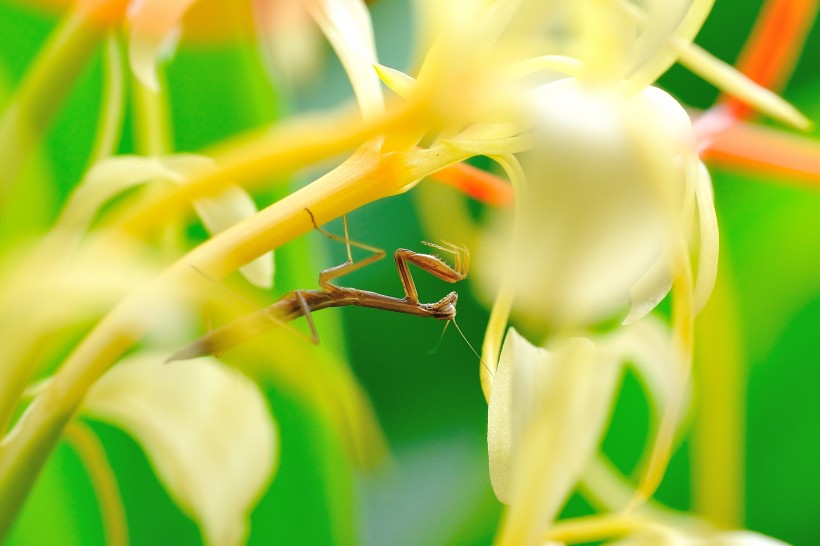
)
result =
(290, 43)
(554, 406)
(741, 538)
(222, 211)
(647, 345)
(115, 175)
(154, 32)
(650, 289)
(206, 429)
(105, 180)
(230, 207)
(709, 239)
(501, 419)
(348, 28)
(144, 52)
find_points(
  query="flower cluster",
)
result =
(613, 213)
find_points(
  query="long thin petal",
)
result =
(154, 24)
(739, 86)
(650, 289)
(709, 239)
(695, 14)
(648, 346)
(348, 28)
(206, 429)
(397, 81)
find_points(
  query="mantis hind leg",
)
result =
(349, 266)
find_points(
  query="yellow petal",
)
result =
(725, 77)
(206, 429)
(396, 80)
(347, 26)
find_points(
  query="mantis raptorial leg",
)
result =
(304, 302)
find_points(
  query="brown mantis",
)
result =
(303, 302)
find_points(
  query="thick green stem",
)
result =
(718, 434)
(152, 131)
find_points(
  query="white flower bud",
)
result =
(595, 215)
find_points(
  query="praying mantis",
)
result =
(304, 302)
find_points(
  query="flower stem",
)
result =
(596, 528)
(152, 132)
(112, 112)
(251, 158)
(718, 434)
(91, 452)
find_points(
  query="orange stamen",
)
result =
(476, 183)
(765, 150)
(773, 47)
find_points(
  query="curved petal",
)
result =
(154, 29)
(206, 429)
(105, 180)
(548, 416)
(219, 212)
(115, 175)
(397, 81)
(650, 289)
(290, 43)
(683, 30)
(648, 346)
(709, 239)
(347, 26)
(520, 357)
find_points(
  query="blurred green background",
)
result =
(430, 404)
